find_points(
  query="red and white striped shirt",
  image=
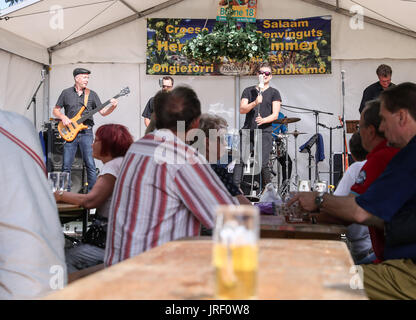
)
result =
(164, 192)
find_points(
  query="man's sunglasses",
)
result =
(266, 73)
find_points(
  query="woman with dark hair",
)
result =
(110, 145)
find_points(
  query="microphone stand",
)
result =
(330, 150)
(344, 130)
(316, 113)
(33, 100)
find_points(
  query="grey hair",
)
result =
(209, 121)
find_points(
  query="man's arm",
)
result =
(344, 208)
(246, 107)
(275, 114)
(107, 110)
(58, 114)
(364, 99)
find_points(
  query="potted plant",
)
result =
(228, 43)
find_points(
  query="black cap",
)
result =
(78, 71)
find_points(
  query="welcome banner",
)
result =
(298, 47)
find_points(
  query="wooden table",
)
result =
(276, 227)
(70, 212)
(288, 269)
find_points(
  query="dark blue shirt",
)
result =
(393, 195)
(372, 92)
(148, 110)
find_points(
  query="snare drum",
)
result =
(281, 146)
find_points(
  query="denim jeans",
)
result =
(83, 256)
(84, 140)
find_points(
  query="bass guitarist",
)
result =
(72, 100)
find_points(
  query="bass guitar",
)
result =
(70, 132)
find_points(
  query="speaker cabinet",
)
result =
(55, 149)
(337, 166)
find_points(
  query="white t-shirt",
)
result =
(32, 259)
(111, 167)
(348, 179)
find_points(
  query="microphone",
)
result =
(43, 73)
(261, 83)
(322, 125)
(342, 77)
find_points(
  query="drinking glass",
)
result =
(63, 181)
(53, 178)
(235, 251)
(320, 186)
(293, 213)
(304, 186)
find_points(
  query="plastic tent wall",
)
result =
(116, 58)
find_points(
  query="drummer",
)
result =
(281, 147)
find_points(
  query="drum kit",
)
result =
(280, 148)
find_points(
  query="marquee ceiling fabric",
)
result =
(38, 26)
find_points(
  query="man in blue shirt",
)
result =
(389, 203)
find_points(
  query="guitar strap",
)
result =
(25, 147)
(87, 94)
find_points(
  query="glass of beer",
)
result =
(235, 252)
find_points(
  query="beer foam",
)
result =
(235, 234)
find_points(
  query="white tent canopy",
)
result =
(109, 38)
(34, 30)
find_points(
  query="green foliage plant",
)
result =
(228, 41)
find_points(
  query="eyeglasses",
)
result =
(167, 87)
(266, 73)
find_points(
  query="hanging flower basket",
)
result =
(228, 42)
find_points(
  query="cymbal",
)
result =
(286, 120)
(296, 133)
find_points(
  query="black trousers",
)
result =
(282, 161)
(247, 138)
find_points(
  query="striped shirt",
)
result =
(165, 191)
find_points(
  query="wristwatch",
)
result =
(319, 199)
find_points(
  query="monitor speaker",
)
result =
(77, 180)
(337, 163)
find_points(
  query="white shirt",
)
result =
(348, 179)
(111, 167)
(32, 260)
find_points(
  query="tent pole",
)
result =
(237, 102)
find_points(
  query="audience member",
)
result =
(358, 235)
(32, 260)
(373, 91)
(215, 148)
(392, 195)
(165, 190)
(110, 145)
